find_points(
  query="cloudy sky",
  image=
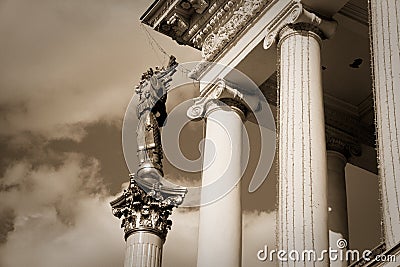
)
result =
(67, 74)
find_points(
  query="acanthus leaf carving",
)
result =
(141, 211)
(215, 41)
(199, 5)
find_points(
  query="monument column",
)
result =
(385, 40)
(220, 224)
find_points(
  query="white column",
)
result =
(220, 224)
(337, 203)
(385, 21)
(303, 210)
(143, 249)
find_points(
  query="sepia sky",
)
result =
(67, 74)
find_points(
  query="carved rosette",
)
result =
(141, 211)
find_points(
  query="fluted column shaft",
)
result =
(385, 33)
(303, 210)
(337, 202)
(143, 249)
(220, 225)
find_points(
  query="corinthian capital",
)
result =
(295, 13)
(141, 211)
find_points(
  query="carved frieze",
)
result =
(199, 5)
(161, 12)
(201, 23)
(215, 41)
(219, 12)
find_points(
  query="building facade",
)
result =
(303, 56)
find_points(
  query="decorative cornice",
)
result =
(339, 141)
(141, 211)
(223, 34)
(350, 124)
(161, 12)
(218, 13)
(203, 24)
(295, 13)
(356, 10)
(199, 5)
(215, 42)
(219, 95)
(189, 21)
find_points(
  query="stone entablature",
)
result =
(203, 24)
(187, 21)
(210, 25)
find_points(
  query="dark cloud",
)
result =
(66, 64)
(56, 213)
(67, 75)
(103, 142)
(7, 218)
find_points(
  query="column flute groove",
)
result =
(303, 205)
(385, 50)
(302, 169)
(302, 152)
